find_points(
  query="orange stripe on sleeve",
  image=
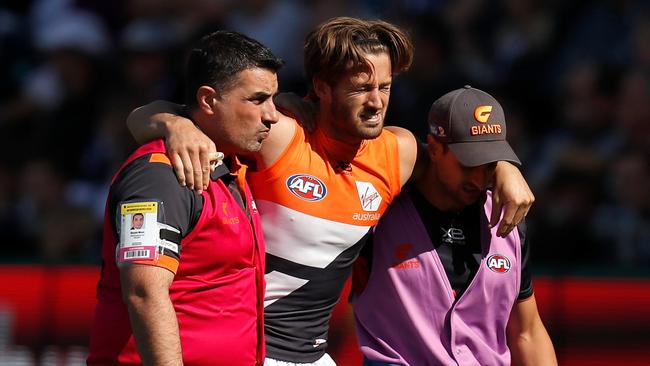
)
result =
(167, 262)
(159, 158)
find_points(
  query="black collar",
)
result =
(222, 170)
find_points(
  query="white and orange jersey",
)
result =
(316, 211)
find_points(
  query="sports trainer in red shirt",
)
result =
(187, 287)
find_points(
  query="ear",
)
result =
(322, 89)
(434, 148)
(206, 97)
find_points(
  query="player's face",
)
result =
(359, 100)
(243, 114)
(462, 185)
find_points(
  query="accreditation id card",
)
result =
(138, 231)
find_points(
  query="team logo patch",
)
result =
(439, 131)
(498, 263)
(368, 196)
(482, 113)
(403, 261)
(307, 187)
(453, 235)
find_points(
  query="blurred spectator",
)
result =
(574, 78)
(69, 235)
(595, 24)
(560, 220)
(431, 75)
(108, 147)
(9, 220)
(633, 110)
(280, 25)
(41, 187)
(641, 40)
(587, 104)
(622, 224)
(50, 228)
(150, 70)
(59, 99)
(527, 29)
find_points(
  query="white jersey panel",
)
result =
(279, 285)
(305, 239)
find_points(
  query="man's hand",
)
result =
(298, 108)
(189, 149)
(512, 192)
(190, 152)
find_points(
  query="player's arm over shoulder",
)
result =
(279, 138)
(408, 151)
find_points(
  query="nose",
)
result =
(270, 114)
(374, 99)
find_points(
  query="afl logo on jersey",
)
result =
(306, 187)
(498, 263)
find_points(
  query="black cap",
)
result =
(472, 123)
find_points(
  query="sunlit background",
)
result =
(573, 77)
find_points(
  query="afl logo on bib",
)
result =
(498, 263)
(306, 187)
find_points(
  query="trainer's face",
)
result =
(461, 185)
(358, 101)
(138, 220)
(242, 115)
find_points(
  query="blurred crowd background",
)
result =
(573, 77)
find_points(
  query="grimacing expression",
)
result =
(359, 100)
(244, 113)
(463, 185)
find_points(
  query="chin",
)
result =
(252, 147)
(471, 199)
(370, 133)
(255, 148)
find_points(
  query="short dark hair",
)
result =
(218, 57)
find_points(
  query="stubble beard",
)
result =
(353, 126)
(253, 146)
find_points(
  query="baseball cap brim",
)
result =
(473, 154)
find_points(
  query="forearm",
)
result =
(527, 337)
(151, 121)
(155, 329)
(533, 348)
(512, 194)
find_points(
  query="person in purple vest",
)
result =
(435, 285)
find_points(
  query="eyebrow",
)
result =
(370, 82)
(258, 95)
